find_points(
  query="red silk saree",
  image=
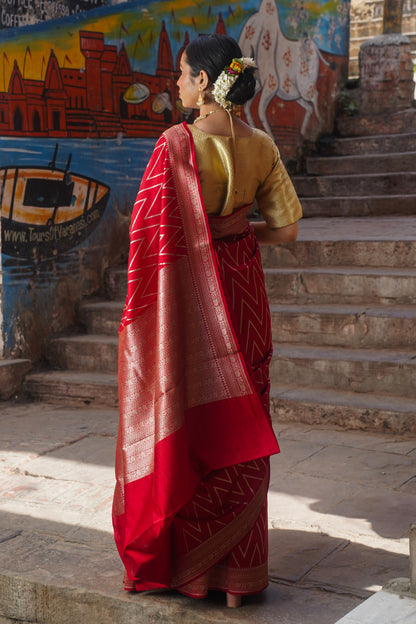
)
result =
(194, 437)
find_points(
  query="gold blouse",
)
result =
(259, 175)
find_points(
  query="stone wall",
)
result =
(367, 21)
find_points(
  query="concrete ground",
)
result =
(340, 508)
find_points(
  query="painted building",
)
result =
(103, 100)
(83, 98)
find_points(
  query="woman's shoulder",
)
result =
(263, 138)
(265, 144)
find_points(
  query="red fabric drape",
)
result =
(190, 402)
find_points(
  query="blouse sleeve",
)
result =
(276, 197)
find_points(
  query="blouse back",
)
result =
(259, 174)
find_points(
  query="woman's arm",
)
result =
(274, 236)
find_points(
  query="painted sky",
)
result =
(138, 23)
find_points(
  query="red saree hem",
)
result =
(193, 413)
(220, 579)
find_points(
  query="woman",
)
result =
(195, 434)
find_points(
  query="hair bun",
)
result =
(244, 88)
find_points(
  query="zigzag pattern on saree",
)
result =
(218, 501)
(245, 285)
(156, 233)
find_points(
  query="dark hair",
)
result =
(213, 53)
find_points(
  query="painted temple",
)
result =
(104, 99)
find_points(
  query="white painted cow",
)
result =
(288, 69)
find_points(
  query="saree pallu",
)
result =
(194, 435)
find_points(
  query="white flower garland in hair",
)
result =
(227, 78)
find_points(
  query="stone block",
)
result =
(386, 74)
(73, 387)
(348, 410)
(382, 608)
(87, 352)
(11, 376)
(389, 251)
(357, 370)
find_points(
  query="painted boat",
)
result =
(47, 210)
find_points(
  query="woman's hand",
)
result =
(268, 236)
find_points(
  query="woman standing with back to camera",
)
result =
(195, 435)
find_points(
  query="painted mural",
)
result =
(83, 99)
(16, 13)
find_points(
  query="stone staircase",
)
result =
(344, 324)
(361, 176)
(81, 367)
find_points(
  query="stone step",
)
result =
(351, 326)
(101, 316)
(358, 206)
(400, 122)
(386, 371)
(376, 144)
(347, 410)
(364, 185)
(394, 603)
(12, 372)
(345, 165)
(344, 285)
(84, 352)
(389, 241)
(115, 283)
(356, 371)
(336, 325)
(371, 253)
(73, 388)
(356, 374)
